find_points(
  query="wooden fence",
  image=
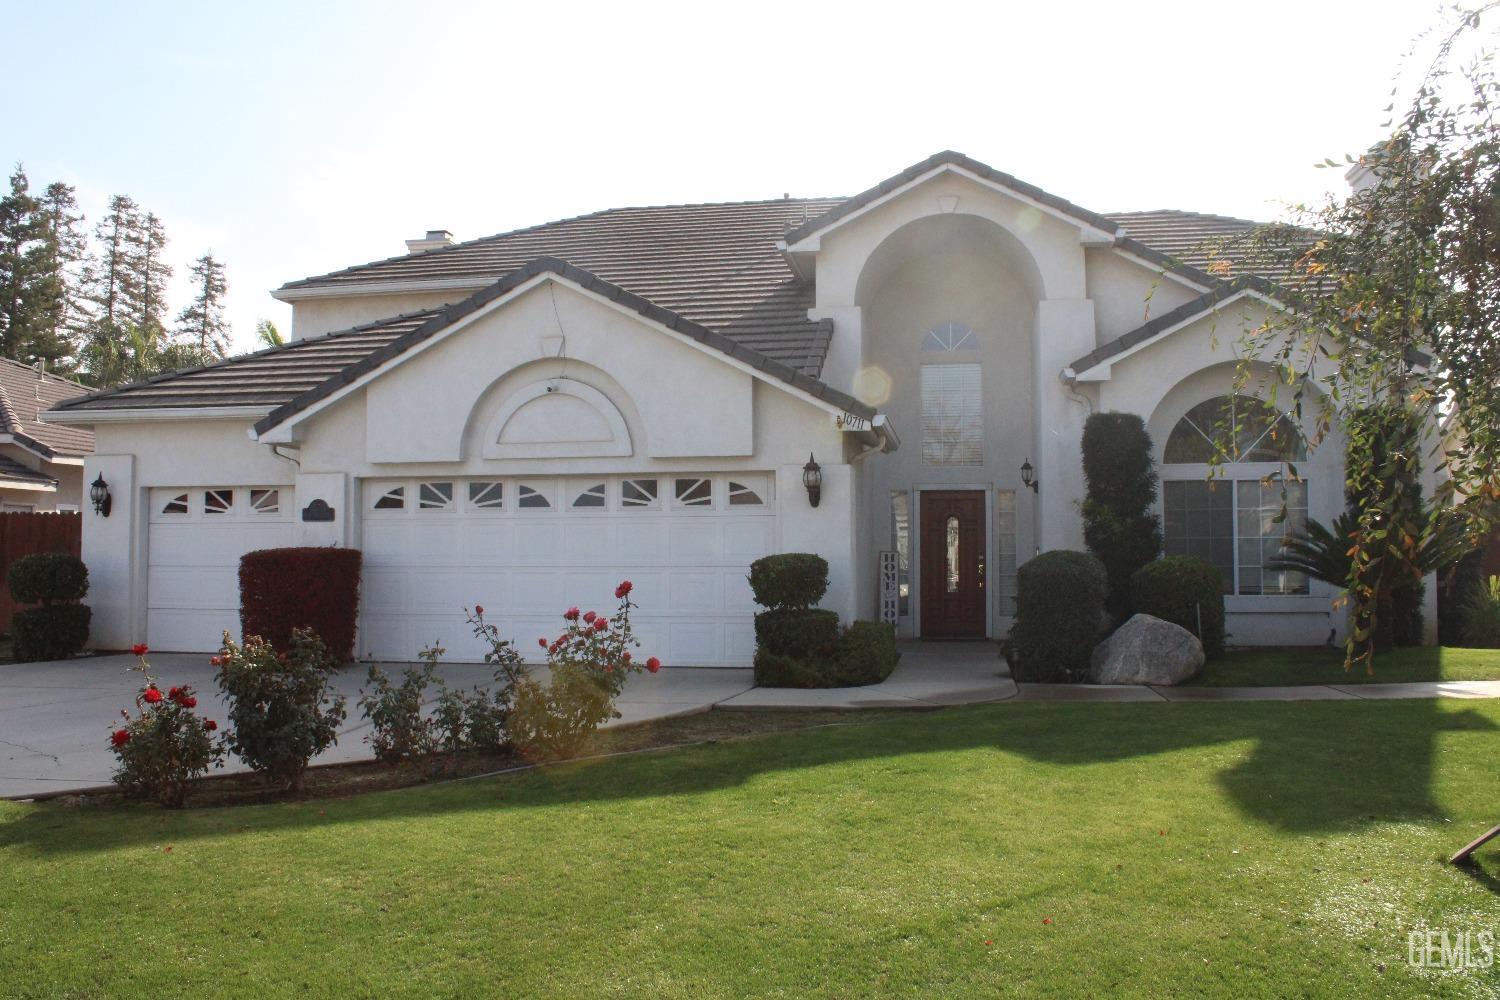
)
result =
(23, 534)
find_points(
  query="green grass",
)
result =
(1271, 849)
(1315, 665)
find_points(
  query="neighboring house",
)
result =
(41, 464)
(522, 420)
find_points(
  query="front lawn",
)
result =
(1318, 665)
(1268, 849)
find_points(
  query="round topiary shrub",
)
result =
(1185, 591)
(315, 588)
(59, 628)
(47, 578)
(1059, 613)
(789, 580)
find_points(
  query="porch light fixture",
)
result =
(812, 478)
(1028, 477)
(99, 494)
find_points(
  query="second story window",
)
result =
(952, 415)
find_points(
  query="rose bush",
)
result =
(588, 663)
(165, 745)
(280, 706)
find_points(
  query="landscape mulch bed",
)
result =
(326, 781)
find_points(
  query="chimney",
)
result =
(434, 239)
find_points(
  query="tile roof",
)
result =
(265, 379)
(716, 265)
(1217, 245)
(293, 377)
(12, 471)
(24, 395)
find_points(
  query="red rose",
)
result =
(139, 649)
(216, 661)
(210, 725)
(190, 702)
(627, 656)
(571, 614)
(653, 664)
(120, 737)
(542, 643)
(600, 624)
(479, 609)
(589, 616)
(624, 588)
(152, 696)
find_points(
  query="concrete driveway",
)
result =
(55, 718)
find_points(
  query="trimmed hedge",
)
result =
(789, 632)
(1059, 614)
(1177, 589)
(864, 654)
(789, 580)
(286, 589)
(47, 577)
(1120, 525)
(54, 632)
(60, 627)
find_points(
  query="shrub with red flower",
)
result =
(588, 665)
(164, 747)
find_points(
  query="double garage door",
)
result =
(527, 549)
(524, 549)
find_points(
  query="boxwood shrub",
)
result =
(292, 588)
(58, 628)
(789, 580)
(1186, 591)
(865, 653)
(793, 632)
(1059, 615)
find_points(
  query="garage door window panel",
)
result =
(435, 496)
(534, 496)
(218, 501)
(486, 495)
(640, 494)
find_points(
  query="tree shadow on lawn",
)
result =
(1313, 768)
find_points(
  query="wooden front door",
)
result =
(952, 563)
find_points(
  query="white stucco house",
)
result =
(522, 420)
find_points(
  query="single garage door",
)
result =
(526, 549)
(193, 559)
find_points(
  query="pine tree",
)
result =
(55, 307)
(151, 273)
(201, 325)
(110, 279)
(18, 230)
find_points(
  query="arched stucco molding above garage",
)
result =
(554, 408)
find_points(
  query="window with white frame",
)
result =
(638, 493)
(952, 415)
(1005, 544)
(486, 495)
(1240, 519)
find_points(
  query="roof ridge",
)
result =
(8, 415)
(44, 375)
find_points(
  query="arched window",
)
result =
(1244, 425)
(950, 337)
(1237, 521)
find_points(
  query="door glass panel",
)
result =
(952, 547)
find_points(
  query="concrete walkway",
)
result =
(55, 717)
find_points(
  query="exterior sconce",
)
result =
(812, 478)
(99, 494)
(1028, 477)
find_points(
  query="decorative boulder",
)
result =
(1147, 650)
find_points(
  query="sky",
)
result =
(297, 138)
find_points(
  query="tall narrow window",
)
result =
(952, 552)
(901, 542)
(1005, 543)
(952, 415)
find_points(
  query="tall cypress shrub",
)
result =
(1120, 526)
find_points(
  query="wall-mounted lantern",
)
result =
(812, 478)
(1028, 477)
(99, 494)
